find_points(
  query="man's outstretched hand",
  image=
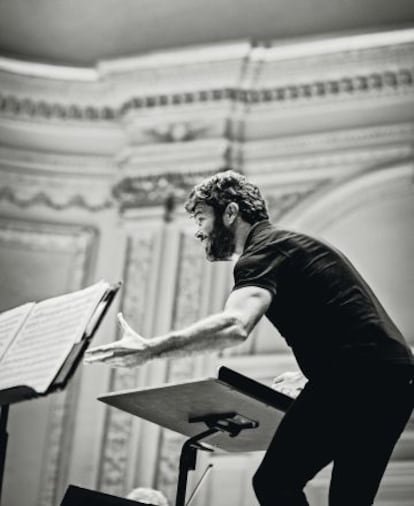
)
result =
(129, 351)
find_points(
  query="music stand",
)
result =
(234, 412)
(21, 393)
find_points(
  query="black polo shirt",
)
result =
(321, 305)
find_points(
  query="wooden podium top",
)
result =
(172, 405)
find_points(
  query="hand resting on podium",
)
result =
(289, 383)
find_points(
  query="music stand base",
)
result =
(232, 423)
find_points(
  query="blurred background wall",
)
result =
(106, 121)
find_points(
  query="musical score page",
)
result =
(46, 339)
(10, 323)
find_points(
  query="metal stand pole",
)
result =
(188, 462)
(3, 441)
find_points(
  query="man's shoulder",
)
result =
(300, 248)
(279, 239)
(265, 245)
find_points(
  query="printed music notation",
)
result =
(36, 338)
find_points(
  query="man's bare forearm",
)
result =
(215, 332)
(243, 309)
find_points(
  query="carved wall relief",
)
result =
(59, 182)
(136, 192)
(186, 310)
(60, 258)
(116, 447)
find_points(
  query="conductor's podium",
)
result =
(231, 412)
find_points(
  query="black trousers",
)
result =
(352, 419)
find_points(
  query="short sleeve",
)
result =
(260, 268)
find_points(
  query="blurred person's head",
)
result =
(148, 496)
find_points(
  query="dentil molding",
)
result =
(336, 68)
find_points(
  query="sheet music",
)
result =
(44, 342)
(10, 323)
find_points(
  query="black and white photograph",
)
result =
(206, 253)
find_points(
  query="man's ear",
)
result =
(230, 213)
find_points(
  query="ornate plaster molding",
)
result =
(240, 100)
(322, 156)
(354, 139)
(116, 450)
(329, 164)
(58, 181)
(154, 190)
(293, 73)
(41, 198)
(44, 70)
(26, 107)
(181, 131)
(58, 192)
(385, 83)
(39, 236)
(381, 83)
(187, 307)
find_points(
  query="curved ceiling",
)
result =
(79, 32)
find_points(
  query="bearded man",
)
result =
(359, 392)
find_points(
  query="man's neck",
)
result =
(242, 232)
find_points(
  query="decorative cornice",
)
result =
(386, 82)
(12, 105)
(341, 68)
(133, 192)
(393, 81)
(29, 179)
(375, 137)
(47, 71)
(41, 198)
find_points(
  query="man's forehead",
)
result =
(202, 208)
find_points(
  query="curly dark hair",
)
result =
(229, 186)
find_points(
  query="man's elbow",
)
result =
(237, 330)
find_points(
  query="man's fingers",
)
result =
(121, 320)
(112, 361)
(102, 357)
(281, 378)
(121, 362)
(124, 325)
(102, 348)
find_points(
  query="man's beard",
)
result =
(221, 242)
